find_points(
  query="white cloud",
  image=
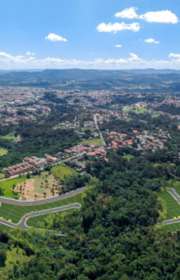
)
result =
(175, 56)
(117, 27)
(133, 57)
(19, 62)
(129, 13)
(163, 16)
(118, 46)
(55, 38)
(28, 53)
(151, 41)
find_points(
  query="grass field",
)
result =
(3, 152)
(8, 185)
(168, 228)
(171, 228)
(93, 141)
(1, 175)
(128, 157)
(42, 221)
(10, 137)
(137, 110)
(62, 171)
(14, 213)
(175, 184)
(171, 208)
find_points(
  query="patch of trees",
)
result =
(111, 238)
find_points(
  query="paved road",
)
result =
(23, 221)
(174, 195)
(171, 221)
(98, 129)
(11, 201)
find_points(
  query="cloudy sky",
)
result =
(103, 34)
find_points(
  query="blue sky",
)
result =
(106, 34)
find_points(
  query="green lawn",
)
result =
(175, 184)
(42, 221)
(9, 137)
(92, 141)
(3, 152)
(1, 175)
(14, 213)
(170, 228)
(62, 171)
(7, 186)
(171, 208)
(128, 157)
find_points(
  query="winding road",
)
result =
(11, 201)
(23, 221)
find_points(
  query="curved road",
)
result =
(171, 221)
(11, 201)
(23, 221)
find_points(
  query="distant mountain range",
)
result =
(93, 79)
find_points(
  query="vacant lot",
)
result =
(38, 187)
(62, 171)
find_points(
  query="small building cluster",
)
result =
(29, 164)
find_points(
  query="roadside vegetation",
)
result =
(8, 185)
(14, 213)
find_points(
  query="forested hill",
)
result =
(114, 236)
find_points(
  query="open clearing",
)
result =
(92, 141)
(8, 185)
(3, 152)
(10, 138)
(38, 187)
(62, 171)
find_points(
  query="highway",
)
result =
(23, 221)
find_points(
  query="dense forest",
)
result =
(113, 237)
